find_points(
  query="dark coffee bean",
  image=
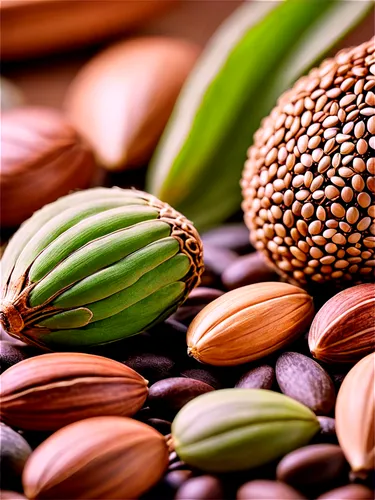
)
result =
(176, 478)
(202, 296)
(163, 426)
(186, 314)
(262, 377)
(246, 270)
(263, 489)
(201, 488)
(203, 375)
(14, 452)
(168, 396)
(152, 367)
(10, 354)
(312, 465)
(230, 236)
(349, 492)
(303, 379)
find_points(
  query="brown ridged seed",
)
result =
(249, 323)
(355, 410)
(343, 330)
(101, 457)
(53, 390)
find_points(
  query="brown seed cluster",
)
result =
(308, 184)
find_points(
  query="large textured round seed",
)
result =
(343, 330)
(355, 410)
(52, 390)
(303, 379)
(262, 377)
(331, 174)
(236, 429)
(311, 465)
(102, 457)
(265, 489)
(14, 453)
(97, 266)
(249, 323)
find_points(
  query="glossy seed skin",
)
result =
(262, 489)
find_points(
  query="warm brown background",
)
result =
(44, 81)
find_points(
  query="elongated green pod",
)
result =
(101, 265)
(237, 429)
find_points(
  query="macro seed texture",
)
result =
(316, 152)
(97, 266)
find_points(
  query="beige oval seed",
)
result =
(302, 195)
(358, 183)
(346, 148)
(364, 223)
(318, 195)
(359, 165)
(344, 226)
(302, 227)
(296, 208)
(341, 264)
(359, 129)
(371, 125)
(278, 184)
(328, 259)
(330, 121)
(345, 172)
(339, 239)
(328, 233)
(308, 178)
(353, 251)
(362, 146)
(316, 252)
(370, 165)
(371, 211)
(307, 210)
(288, 218)
(321, 213)
(347, 194)
(331, 192)
(306, 160)
(314, 142)
(315, 227)
(352, 215)
(337, 181)
(277, 198)
(354, 238)
(288, 197)
(332, 223)
(337, 210)
(317, 155)
(302, 143)
(298, 254)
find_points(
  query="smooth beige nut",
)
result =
(121, 100)
(249, 323)
(355, 410)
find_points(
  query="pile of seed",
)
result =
(309, 184)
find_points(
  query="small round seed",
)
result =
(347, 194)
(296, 208)
(308, 178)
(288, 218)
(368, 111)
(317, 155)
(339, 239)
(354, 238)
(331, 192)
(314, 142)
(276, 212)
(346, 100)
(315, 227)
(321, 213)
(371, 125)
(371, 211)
(288, 197)
(352, 215)
(337, 210)
(330, 132)
(328, 233)
(316, 253)
(318, 195)
(370, 165)
(346, 148)
(364, 223)
(302, 227)
(307, 210)
(306, 160)
(277, 198)
(332, 223)
(359, 165)
(302, 143)
(337, 181)
(316, 183)
(298, 254)
(340, 138)
(345, 172)
(358, 183)
(278, 184)
(302, 195)
(353, 251)
(344, 226)
(341, 264)
(298, 181)
(362, 146)
(329, 145)
(359, 129)
(328, 259)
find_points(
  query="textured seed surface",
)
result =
(10, 355)
(262, 377)
(329, 176)
(304, 380)
(313, 464)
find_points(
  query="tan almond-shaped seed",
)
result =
(236, 328)
(100, 457)
(49, 391)
(122, 99)
(337, 210)
(343, 330)
(355, 410)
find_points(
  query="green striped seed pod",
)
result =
(97, 266)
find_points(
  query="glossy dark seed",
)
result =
(263, 489)
(10, 354)
(316, 464)
(201, 488)
(303, 379)
(230, 236)
(349, 492)
(152, 367)
(168, 396)
(176, 478)
(217, 259)
(262, 377)
(14, 452)
(163, 426)
(247, 270)
(203, 375)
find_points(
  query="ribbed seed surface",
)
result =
(321, 142)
